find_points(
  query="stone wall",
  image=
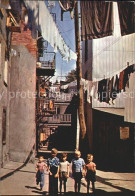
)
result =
(22, 104)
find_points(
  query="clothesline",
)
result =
(43, 21)
(108, 86)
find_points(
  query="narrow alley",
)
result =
(67, 75)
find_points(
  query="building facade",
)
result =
(110, 135)
(5, 67)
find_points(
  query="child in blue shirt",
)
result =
(78, 166)
(53, 167)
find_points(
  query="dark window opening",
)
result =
(4, 126)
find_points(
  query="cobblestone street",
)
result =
(15, 181)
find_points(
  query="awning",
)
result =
(119, 112)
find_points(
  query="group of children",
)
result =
(60, 169)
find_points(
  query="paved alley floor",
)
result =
(18, 180)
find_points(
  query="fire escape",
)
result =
(48, 118)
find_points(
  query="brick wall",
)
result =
(24, 38)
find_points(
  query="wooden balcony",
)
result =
(47, 65)
(45, 107)
(58, 119)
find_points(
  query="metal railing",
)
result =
(59, 118)
(43, 105)
(61, 97)
(48, 60)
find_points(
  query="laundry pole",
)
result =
(79, 76)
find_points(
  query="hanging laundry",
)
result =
(96, 19)
(127, 73)
(121, 87)
(126, 16)
(108, 90)
(95, 90)
(87, 85)
(129, 113)
(42, 137)
(102, 94)
(88, 91)
(32, 8)
(67, 5)
(48, 28)
(112, 92)
(51, 4)
(116, 84)
(51, 105)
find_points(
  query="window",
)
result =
(4, 126)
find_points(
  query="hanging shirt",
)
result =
(121, 80)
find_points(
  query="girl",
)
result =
(40, 166)
(63, 171)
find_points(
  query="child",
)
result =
(40, 166)
(78, 166)
(63, 171)
(53, 167)
(91, 172)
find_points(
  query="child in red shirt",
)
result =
(40, 166)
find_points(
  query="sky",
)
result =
(66, 29)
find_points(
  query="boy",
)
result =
(91, 172)
(53, 167)
(78, 166)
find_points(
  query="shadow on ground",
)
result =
(98, 192)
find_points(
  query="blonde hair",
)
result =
(77, 152)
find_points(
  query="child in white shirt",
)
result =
(63, 171)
